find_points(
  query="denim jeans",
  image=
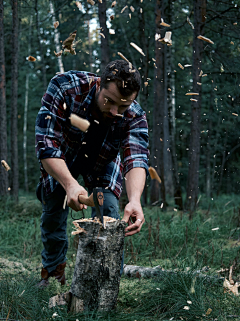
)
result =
(54, 224)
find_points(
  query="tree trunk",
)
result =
(96, 277)
(104, 41)
(157, 152)
(14, 98)
(56, 38)
(194, 148)
(43, 67)
(3, 117)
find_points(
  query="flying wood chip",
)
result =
(101, 34)
(191, 94)
(79, 5)
(164, 23)
(181, 66)
(113, 4)
(31, 58)
(132, 9)
(123, 57)
(154, 174)
(234, 114)
(91, 2)
(56, 24)
(124, 9)
(167, 39)
(68, 43)
(5, 165)
(58, 54)
(205, 39)
(189, 22)
(137, 48)
(192, 99)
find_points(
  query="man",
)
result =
(64, 152)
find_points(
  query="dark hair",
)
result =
(126, 77)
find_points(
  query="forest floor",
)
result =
(209, 242)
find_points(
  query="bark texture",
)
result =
(194, 150)
(104, 41)
(14, 107)
(96, 277)
(3, 117)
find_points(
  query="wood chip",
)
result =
(101, 34)
(48, 117)
(112, 31)
(189, 22)
(100, 1)
(31, 58)
(154, 174)
(91, 2)
(234, 114)
(167, 38)
(205, 75)
(162, 23)
(201, 73)
(199, 83)
(192, 99)
(181, 66)
(5, 165)
(119, 115)
(137, 48)
(56, 24)
(79, 5)
(192, 94)
(114, 4)
(123, 57)
(124, 9)
(205, 39)
(145, 83)
(132, 8)
(130, 16)
(65, 202)
(235, 23)
(141, 10)
(96, 121)
(58, 54)
(64, 106)
(112, 17)
(232, 43)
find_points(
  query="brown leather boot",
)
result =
(58, 273)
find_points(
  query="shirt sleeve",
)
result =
(135, 145)
(49, 122)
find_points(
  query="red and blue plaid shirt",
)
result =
(57, 138)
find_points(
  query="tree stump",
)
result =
(96, 277)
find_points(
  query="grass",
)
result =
(168, 239)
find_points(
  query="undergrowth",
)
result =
(169, 239)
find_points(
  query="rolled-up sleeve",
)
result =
(135, 145)
(49, 123)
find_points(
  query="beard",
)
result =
(104, 117)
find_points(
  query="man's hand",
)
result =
(133, 215)
(73, 190)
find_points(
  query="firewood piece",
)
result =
(80, 123)
(96, 277)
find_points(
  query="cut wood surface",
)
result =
(96, 277)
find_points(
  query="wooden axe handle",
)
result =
(86, 200)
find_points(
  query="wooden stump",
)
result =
(96, 277)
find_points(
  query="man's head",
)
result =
(116, 89)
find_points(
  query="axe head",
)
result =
(98, 199)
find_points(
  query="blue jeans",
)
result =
(54, 224)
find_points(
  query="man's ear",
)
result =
(98, 84)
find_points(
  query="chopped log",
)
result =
(96, 277)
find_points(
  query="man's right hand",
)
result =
(73, 190)
(57, 168)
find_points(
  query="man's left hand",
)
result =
(133, 215)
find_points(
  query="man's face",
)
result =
(110, 102)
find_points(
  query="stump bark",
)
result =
(96, 277)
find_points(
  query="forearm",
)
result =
(135, 181)
(57, 168)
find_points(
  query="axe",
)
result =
(95, 199)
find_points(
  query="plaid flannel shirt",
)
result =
(57, 138)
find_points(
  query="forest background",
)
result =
(194, 140)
